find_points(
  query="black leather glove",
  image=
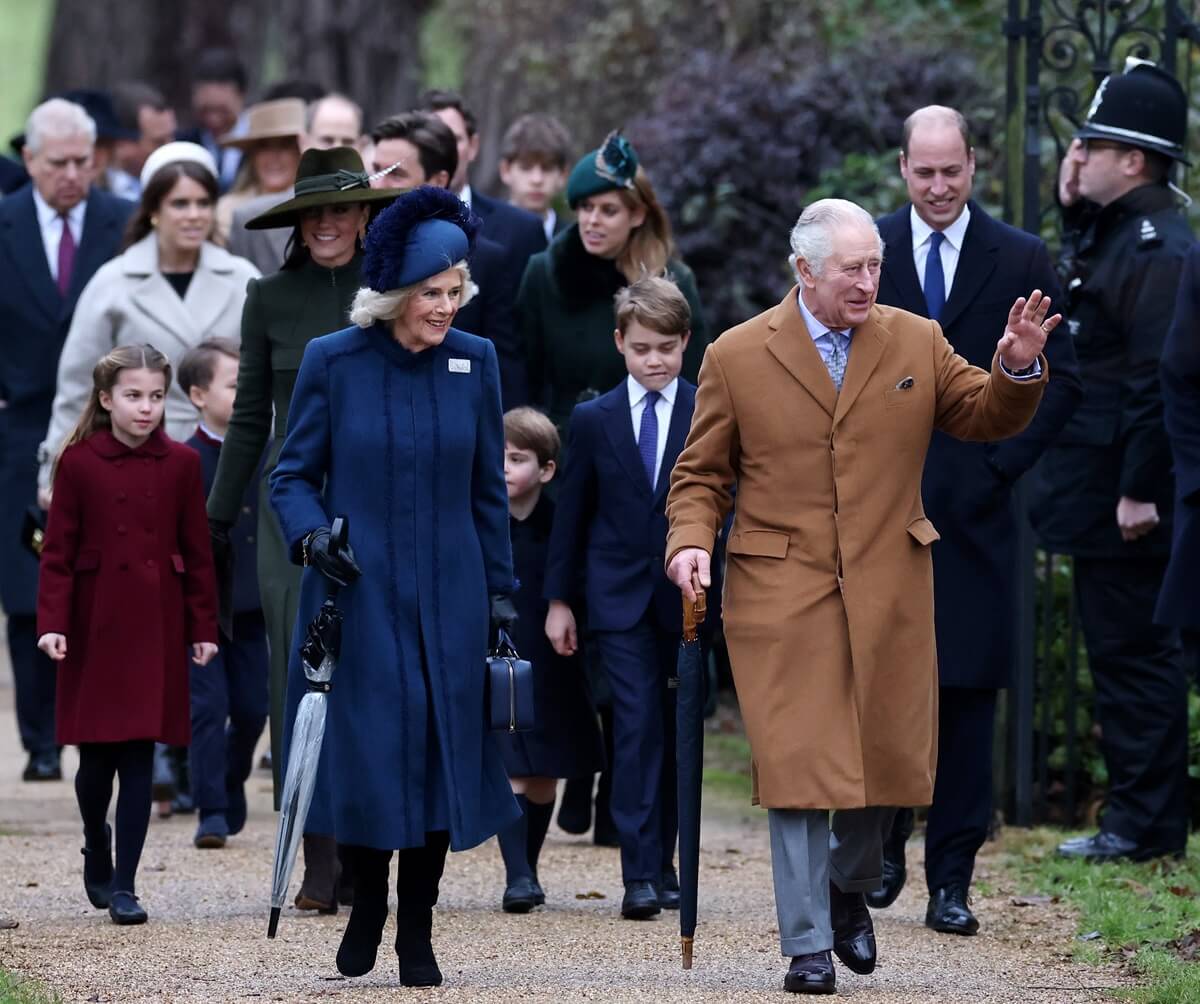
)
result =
(503, 613)
(337, 565)
(222, 548)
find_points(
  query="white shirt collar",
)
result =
(210, 434)
(637, 392)
(465, 194)
(47, 214)
(954, 233)
(549, 222)
(815, 328)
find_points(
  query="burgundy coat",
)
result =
(127, 577)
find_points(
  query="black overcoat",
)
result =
(968, 487)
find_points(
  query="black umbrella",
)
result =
(689, 756)
(319, 656)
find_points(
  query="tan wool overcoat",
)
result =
(828, 602)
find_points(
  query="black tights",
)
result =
(99, 763)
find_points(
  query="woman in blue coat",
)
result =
(396, 424)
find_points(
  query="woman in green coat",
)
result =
(565, 304)
(308, 297)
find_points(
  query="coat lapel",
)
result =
(976, 263)
(791, 344)
(210, 290)
(681, 423)
(866, 349)
(153, 294)
(899, 268)
(101, 233)
(618, 427)
(25, 247)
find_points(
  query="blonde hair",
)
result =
(104, 378)
(650, 245)
(370, 305)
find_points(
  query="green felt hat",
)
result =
(609, 168)
(324, 178)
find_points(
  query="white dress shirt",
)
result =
(549, 222)
(465, 195)
(663, 408)
(52, 227)
(951, 246)
(819, 333)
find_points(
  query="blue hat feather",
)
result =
(422, 233)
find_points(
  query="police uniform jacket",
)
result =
(1121, 283)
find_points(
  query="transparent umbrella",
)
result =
(318, 656)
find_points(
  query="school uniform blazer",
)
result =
(609, 519)
(130, 302)
(127, 577)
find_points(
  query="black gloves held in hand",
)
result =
(336, 564)
(503, 613)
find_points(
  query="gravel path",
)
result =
(206, 937)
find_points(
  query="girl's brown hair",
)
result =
(104, 378)
(650, 245)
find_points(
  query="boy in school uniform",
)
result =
(611, 519)
(534, 159)
(229, 695)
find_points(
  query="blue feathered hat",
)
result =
(422, 233)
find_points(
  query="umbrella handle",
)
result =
(694, 613)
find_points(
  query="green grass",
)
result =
(1142, 913)
(727, 768)
(24, 36)
(16, 989)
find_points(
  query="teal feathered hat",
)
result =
(611, 167)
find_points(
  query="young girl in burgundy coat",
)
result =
(126, 586)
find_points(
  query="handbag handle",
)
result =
(504, 647)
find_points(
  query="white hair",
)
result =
(57, 119)
(812, 236)
(370, 306)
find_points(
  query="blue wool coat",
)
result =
(410, 447)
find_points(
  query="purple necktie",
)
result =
(648, 436)
(66, 257)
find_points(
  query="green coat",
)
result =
(283, 313)
(566, 319)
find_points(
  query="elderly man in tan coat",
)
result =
(820, 411)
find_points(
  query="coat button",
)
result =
(149, 562)
(249, 539)
(121, 528)
(246, 509)
(149, 495)
(121, 496)
(124, 566)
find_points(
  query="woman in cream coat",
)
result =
(171, 287)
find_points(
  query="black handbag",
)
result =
(510, 687)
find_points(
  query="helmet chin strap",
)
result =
(1187, 199)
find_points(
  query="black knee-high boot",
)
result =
(418, 876)
(360, 943)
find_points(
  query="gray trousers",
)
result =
(807, 853)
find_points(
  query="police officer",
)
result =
(1107, 491)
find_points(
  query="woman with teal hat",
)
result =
(396, 425)
(309, 296)
(565, 304)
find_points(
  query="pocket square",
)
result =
(906, 384)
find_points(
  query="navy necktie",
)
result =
(648, 435)
(935, 278)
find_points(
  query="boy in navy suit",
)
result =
(611, 518)
(229, 695)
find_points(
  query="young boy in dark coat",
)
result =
(566, 739)
(611, 521)
(229, 696)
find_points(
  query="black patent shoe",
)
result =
(520, 896)
(668, 890)
(811, 974)
(98, 871)
(640, 901)
(124, 909)
(853, 932)
(895, 869)
(949, 913)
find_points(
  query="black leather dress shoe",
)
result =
(98, 871)
(895, 870)
(641, 901)
(1106, 846)
(853, 932)
(668, 890)
(42, 767)
(520, 896)
(948, 912)
(811, 974)
(124, 909)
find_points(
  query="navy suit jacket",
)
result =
(1180, 373)
(967, 487)
(520, 233)
(34, 319)
(492, 315)
(608, 519)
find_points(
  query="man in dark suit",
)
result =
(54, 234)
(518, 232)
(610, 522)
(218, 108)
(419, 149)
(945, 258)
(1180, 375)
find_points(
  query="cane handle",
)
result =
(694, 612)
